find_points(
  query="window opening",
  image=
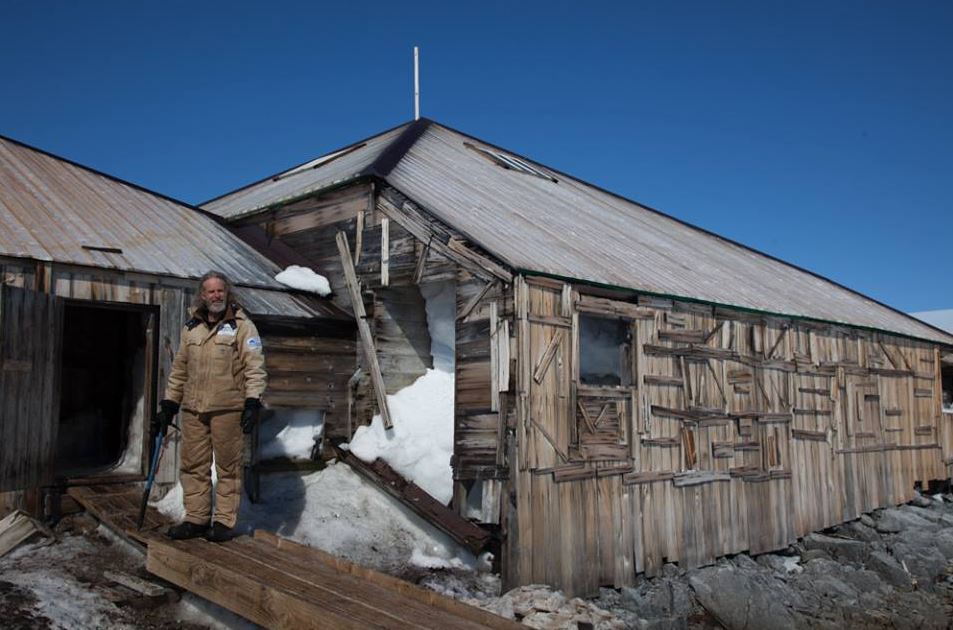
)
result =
(603, 351)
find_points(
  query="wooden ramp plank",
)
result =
(468, 534)
(280, 584)
(117, 508)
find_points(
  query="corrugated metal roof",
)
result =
(54, 210)
(572, 229)
(328, 170)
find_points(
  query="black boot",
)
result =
(187, 529)
(219, 533)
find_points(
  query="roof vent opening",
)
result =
(318, 162)
(510, 162)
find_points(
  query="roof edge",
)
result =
(743, 309)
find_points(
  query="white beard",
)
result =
(216, 308)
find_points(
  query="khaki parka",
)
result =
(217, 367)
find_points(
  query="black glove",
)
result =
(250, 414)
(161, 421)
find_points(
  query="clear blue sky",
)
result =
(821, 133)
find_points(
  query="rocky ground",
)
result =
(890, 569)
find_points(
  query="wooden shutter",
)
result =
(30, 330)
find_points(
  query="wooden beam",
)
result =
(385, 252)
(367, 340)
(421, 263)
(411, 495)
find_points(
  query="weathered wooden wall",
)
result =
(734, 432)
(390, 262)
(306, 372)
(29, 342)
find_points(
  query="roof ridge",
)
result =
(299, 165)
(396, 150)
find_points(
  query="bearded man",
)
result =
(217, 379)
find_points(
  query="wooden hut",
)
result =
(630, 389)
(96, 277)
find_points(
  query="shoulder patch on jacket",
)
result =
(253, 343)
(192, 323)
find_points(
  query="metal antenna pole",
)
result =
(416, 83)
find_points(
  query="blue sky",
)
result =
(821, 133)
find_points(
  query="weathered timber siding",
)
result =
(29, 339)
(478, 431)
(295, 378)
(737, 433)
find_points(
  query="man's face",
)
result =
(214, 295)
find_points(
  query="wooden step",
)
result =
(281, 584)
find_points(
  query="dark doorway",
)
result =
(103, 384)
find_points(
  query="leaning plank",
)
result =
(410, 494)
(367, 340)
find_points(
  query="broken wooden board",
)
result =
(16, 528)
(410, 494)
(280, 584)
(117, 507)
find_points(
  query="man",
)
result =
(217, 379)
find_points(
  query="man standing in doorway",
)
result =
(217, 379)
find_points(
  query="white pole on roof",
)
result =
(416, 83)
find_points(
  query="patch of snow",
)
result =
(421, 559)
(304, 279)
(441, 306)
(421, 441)
(338, 511)
(792, 564)
(290, 433)
(194, 609)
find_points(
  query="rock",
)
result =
(890, 570)
(851, 550)
(742, 598)
(859, 531)
(895, 520)
(921, 501)
(924, 562)
(670, 570)
(943, 540)
(866, 520)
(814, 554)
(864, 581)
(547, 620)
(661, 599)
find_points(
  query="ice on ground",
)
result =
(290, 433)
(304, 279)
(421, 441)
